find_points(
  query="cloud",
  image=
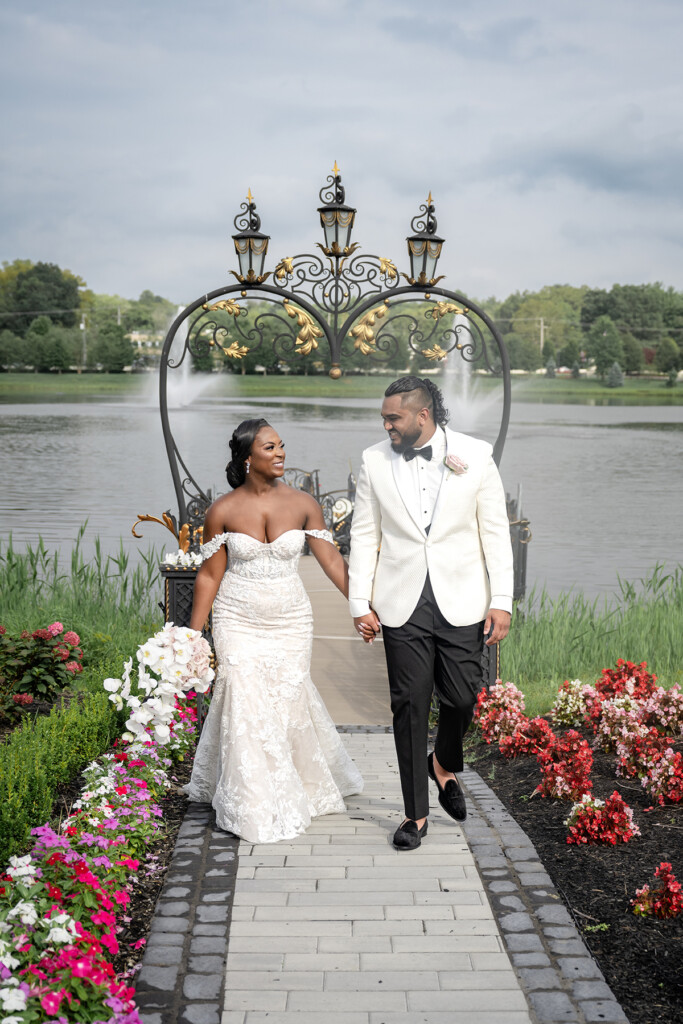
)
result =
(132, 131)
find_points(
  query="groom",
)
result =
(431, 561)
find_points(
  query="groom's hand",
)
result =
(497, 624)
(367, 626)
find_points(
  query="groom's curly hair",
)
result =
(429, 395)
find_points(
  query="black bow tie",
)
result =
(410, 453)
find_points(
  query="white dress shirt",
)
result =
(419, 482)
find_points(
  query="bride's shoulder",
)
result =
(218, 514)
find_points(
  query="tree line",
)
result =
(50, 320)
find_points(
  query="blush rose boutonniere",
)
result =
(455, 464)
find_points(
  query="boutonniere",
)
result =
(455, 464)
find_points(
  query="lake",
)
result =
(601, 485)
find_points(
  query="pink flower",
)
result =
(71, 638)
(455, 464)
(74, 667)
(55, 628)
(50, 1003)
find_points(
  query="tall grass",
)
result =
(112, 605)
(571, 637)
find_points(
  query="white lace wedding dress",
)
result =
(269, 758)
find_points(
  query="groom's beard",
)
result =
(405, 441)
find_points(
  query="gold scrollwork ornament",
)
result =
(309, 332)
(285, 268)
(387, 268)
(434, 353)
(227, 305)
(442, 308)
(363, 334)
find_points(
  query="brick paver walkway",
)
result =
(338, 927)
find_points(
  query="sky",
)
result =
(549, 134)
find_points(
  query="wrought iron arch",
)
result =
(351, 301)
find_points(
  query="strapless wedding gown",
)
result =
(269, 757)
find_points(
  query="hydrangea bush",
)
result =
(39, 665)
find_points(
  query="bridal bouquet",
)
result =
(173, 662)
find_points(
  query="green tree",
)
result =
(569, 353)
(11, 350)
(667, 355)
(112, 349)
(604, 345)
(615, 377)
(38, 349)
(44, 287)
(633, 354)
(522, 352)
(550, 367)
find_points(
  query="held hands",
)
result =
(367, 626)
(498, 624)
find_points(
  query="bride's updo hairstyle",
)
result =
(241, 444)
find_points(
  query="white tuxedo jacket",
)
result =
(467, 553)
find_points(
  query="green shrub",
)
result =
(43, 755)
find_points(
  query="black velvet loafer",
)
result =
(408, 836)
(451, 796)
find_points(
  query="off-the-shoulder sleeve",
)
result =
(320, 535)
(212, 546)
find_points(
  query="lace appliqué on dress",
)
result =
(213, 545)
(320, 535)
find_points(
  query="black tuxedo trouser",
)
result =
(427, 653)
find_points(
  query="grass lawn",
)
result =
(36, 387)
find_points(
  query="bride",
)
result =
(269, 757)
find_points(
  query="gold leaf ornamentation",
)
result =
(184, 537)
(434, 353)
(164, 521)
(284, 268)
(235, 351)
(363, 334)
(442, 308)
(227, 305)
(387, 268)
(309, 332)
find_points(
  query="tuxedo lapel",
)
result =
(445, 494)
(403, 483)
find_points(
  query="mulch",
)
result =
(151, 875)
(641, 958)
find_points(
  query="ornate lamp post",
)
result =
(352, 304)
(251, 245)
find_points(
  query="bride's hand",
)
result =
(368, 626)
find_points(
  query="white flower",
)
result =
(12, 1020)
(58, 935)
(171, 558)
(149, 653)
(182, 652)
(8, 961)
(22, 868)
(13, 998)
(111, 684)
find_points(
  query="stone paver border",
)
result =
(557, 972)
(183, 970)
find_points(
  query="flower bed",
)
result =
(63, 905)
(603, 849)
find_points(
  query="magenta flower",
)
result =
(55, 628)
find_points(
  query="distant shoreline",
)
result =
(28, 388)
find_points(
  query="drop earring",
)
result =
(247, 467)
